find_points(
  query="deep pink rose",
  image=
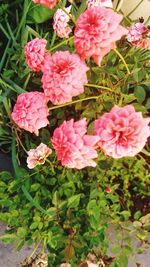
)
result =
(64, 76)
(74, 148)
(30, 112)
(97, 31)
(35, 51)
(47, 3)
(122, 131)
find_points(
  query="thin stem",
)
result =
(18, 138)
(61, 43)
(122, 59)
(74, 102)
(132, 11)
(35, 249)
(119, 5)
(51, 165)
(99, 86)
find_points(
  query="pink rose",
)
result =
(38, 155)
(101, 3)
(35, 51)
(97, 31)
(30, 112)
(47, 3)
(123, 132)
(73, 147)
(60, 24)
(64, 76)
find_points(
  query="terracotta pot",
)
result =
(142, 11)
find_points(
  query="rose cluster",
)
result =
(120, 132)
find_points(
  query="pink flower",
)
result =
(30, 112)
(64, 75)
(35, 51)
(108, 189)
(47, 3)
(144, 44)
(60, 24)
(97, 31)
(135, 32)
(123, 132)
(38, 155)
(73, 147)
(101, 3)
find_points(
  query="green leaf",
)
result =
(34, 225)
(81, 8)
(73, 201)
(32, 201)
(8, 238)
(39, 14)
(140, 94)
(148, 104)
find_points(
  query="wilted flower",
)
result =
(64, 76)
(60, 24)
(47, 3)
(35, 51)
(73, 147)
(97, 31)
(123, 132)
(38, 155)
(30, 112)
(138, 36)
(101, 3)
(136, 32)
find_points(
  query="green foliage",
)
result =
(51, 204)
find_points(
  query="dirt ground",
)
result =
(11, 258)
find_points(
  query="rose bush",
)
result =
(74, 117)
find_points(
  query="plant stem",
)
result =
(132, 11)
(99, 86)
(119, 5)
(35, 249)
(74, 102)
(122, 59)
(60, 44)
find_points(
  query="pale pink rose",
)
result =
(38, 155)
(123, 131)
(47, 3)
(136, 32)
(30, 112)
(64, 76)
(35, 51)
(60, 24)
(101, 3)
(73, 147)
(97, 31)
